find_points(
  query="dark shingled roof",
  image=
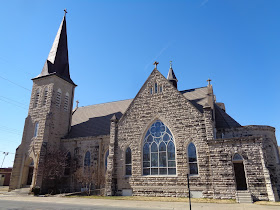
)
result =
(223, 120)
(171, 75)
(57, 62)
(95, 120)
(197, 96)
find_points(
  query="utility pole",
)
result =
(5, 154)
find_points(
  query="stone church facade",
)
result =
(144, 146)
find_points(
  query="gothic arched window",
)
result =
(58, 98)
(159, 151)
(36, 129)
(45, 96)
(66, 102)
(106, 159)
(192, 157)
(36, 101)
(87, 159)
(128, 161)
(67, 164)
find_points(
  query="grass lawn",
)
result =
(166, 199)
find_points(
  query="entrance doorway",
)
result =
(240, 178)
(30, 173)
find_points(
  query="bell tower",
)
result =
(49, 114)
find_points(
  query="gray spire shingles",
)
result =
(57, 62)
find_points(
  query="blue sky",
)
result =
(113, 44)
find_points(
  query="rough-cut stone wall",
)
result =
(187, 125)
(97, 146)
(222, 152)
(53, 122)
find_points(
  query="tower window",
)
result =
(36, 129)
(36, 98)
(58, 98)
(128, 162)
(66, 102)
(45, 96)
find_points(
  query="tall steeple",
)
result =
(57, 62)
(171, 76)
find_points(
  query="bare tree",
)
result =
(55, 164)
(86, 177)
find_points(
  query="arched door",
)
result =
(30, 173)
(240, 178)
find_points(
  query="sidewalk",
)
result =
(137, 204)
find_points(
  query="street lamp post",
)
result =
(189, 191)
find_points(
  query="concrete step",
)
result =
(244, 197)
(20, 191)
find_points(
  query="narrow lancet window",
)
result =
(106, 159)
(66, 102)
(156, 88)
(36, 98)
(128, 162)
(193, 169)
(36, 129)
(67, 164)
(87, 159)
(58, 98)
(45, 96)
(159, 151)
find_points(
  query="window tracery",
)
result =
(159, 151)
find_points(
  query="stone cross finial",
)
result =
(155, 63)
(171, 64)
(209, 80)
(65, 11)
(77, 103)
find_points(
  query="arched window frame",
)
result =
(193, 164)
(157, 162)
(67, 164)
(36, 99)
(87, 160)
(66, 102)
(46, 90)
(128, 162)
(58, 98)
(36, 128)
(106, 159)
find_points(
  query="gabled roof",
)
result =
(95, 120)
(57, 62)
(197, 96)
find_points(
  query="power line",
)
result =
(13, 104)
(13, 100)
(8, 152)
(15, 83)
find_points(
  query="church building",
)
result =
(145, 146)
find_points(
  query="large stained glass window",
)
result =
(193, 170)
(159, 151)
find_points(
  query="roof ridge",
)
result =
(193, 88)
(105, 103)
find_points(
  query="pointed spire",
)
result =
(57, 62)
(171, 76)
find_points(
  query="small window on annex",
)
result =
(128, 162)
(36, 129)
(87, 159)
(159, 151)
(192, 157)
(67, 164)
(106, 159)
